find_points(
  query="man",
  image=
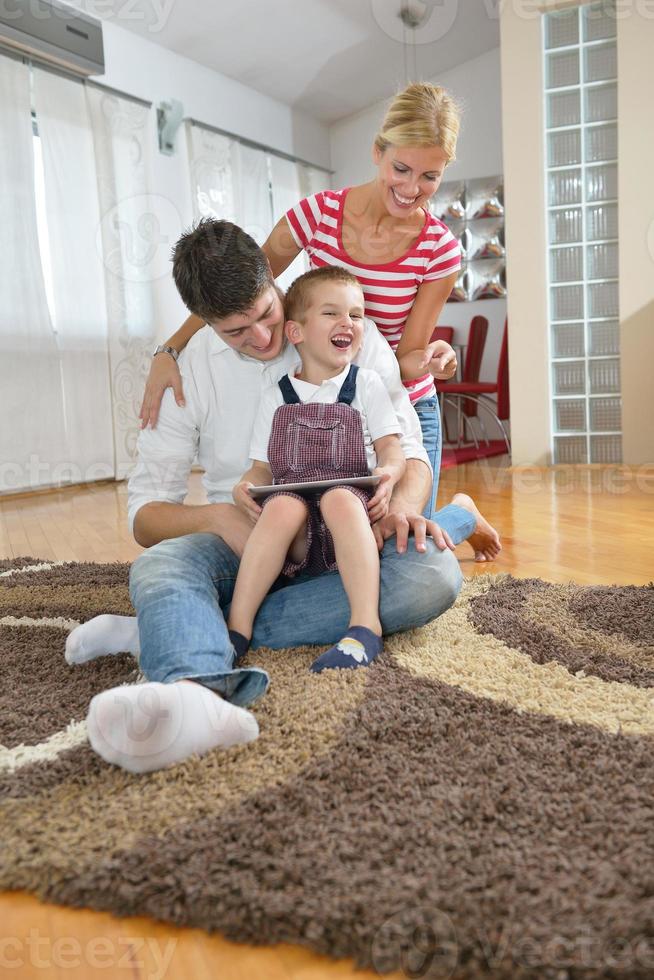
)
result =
(195, 697)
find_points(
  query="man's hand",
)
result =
(402, 524)
(440, 360)
(244, 502)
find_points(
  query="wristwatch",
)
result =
(165, 349)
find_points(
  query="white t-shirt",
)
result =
(371, 400)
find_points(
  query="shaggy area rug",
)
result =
(480, 800)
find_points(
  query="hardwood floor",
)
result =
(589, 524)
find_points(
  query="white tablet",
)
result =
(306, 489)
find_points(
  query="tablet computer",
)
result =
(306, 489)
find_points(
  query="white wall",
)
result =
(476, 86)
(636, 236)
(140, 68)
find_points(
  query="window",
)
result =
(582, 221)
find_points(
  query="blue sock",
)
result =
(240, 643)
(358, 648)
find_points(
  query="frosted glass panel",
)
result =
(568, 340)
(564, 148)
(563, 69)
(602, 261)
(562, 29)
(569, 377)
(602, 222)
(570, 415)
(565, 226)
(563, 109)
(598, 21)
(606, 449)
(567, 264)
(599, 63)
(604, 338)
(605, 415)
(601, 103)
(603, 299)
(570, 449)
(601, 183)
(604, 376)
(567, 302)
(601, 143)
(580, 149)
(564, 187)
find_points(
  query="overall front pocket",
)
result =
(316, 443)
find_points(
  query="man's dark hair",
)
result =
(219, 270)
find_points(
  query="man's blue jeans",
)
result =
(182, 588)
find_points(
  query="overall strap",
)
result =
(349, 386)
(288, 391)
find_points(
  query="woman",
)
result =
(381, 231)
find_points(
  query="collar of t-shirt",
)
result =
(327, 391)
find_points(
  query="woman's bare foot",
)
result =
(484, 540)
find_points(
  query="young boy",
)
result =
(327, 420)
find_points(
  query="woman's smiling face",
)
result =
(407, 176)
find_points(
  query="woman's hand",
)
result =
(244, 502)
(440, 360)
(164, 373)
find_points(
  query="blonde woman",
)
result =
(383, 233)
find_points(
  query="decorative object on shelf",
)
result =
(473, 210)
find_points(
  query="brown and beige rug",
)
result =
(480, 801)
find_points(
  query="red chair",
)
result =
(478, 391)
(472, 363)
(474, 352)
(442, 333)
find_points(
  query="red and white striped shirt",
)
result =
(389, 288)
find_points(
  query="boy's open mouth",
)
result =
(342, 341)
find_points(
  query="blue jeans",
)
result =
(428, 412)
(182, 589)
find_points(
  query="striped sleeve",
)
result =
(445, 258)
(304, 218)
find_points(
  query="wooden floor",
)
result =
(587, 524)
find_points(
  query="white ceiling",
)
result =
(329, 58)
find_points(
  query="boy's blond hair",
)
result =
(298, 297)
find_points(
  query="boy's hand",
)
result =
(244, 501)
(378, 504)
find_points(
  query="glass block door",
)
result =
(581, 178)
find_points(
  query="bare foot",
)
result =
(484, 540)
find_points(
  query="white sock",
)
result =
(103, 635)
(143, 727)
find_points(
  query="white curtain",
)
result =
(78, 295)
(135, 248)
(32, 432)
(286, 192)
(211, 161)
(313, 180)
(254, 213)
